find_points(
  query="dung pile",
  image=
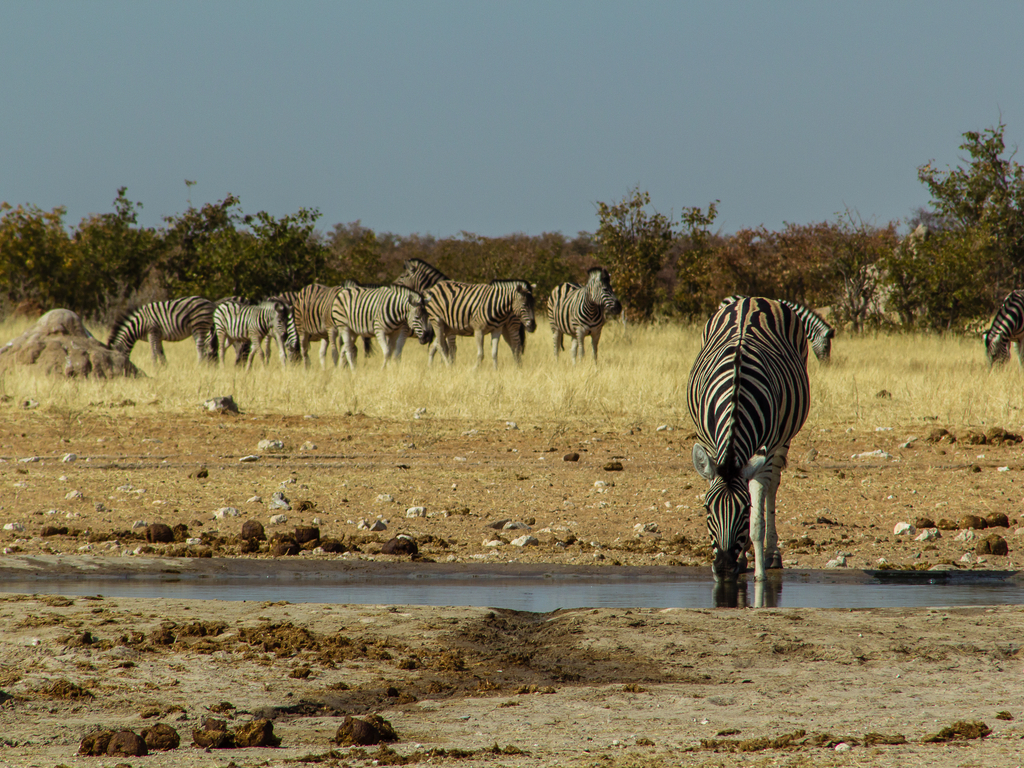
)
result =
(58, 344)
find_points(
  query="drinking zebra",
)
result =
(161, 321)
(579, 311)
(819, 333)
(1007, 326)
(748, 395)
(419, 275)
(500, 308)
(391, 313)
(235, 322)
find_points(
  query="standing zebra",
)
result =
(236, 322)
(819, 333)
(391, 313)
(161, 321)
(312, 308)
(500, 308)
(748, 395)
(419, 276)
(579, 310)
(1007, 326)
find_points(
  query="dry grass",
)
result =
(641, 380)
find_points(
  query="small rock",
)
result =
(997, 520)
(306, 533)
(525, 541)
(967, 534)
(258, 733)
(571, 457)
(14, 527)
(193, 541)
(161, 737)
(270, 445)
(225, 512)
(73, 495)
(252, 530)
(924, 522)
(645, 528)
(95, 744)
(70, 458)
(139, 524)
(278, 519)
(877, 454)
(30, 460)
(373, 730)
(843, 746)
(254, 500)
(159, 533)
(375, 525)
(199, 474)
(663, 428)
(974, 522)
(928, 534)
(613, 466)
(279, 501)
(127, 744)
(402, 544)
(307, 446)
(837, 562)
(416, 512)
(249, 459)
(902, 529)
(511, 425)
(213, 735)
(515, 525)
(221, 405)
(992, 545)
(385, 498)
(285, 548)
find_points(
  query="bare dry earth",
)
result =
(582, 687)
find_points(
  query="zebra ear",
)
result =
(703, 463)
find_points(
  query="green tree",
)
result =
(985, 197)
(633, 244)
(34, 251)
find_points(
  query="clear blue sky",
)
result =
(499, 117)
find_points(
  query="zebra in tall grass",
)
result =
(419, 275)
(500, 308)
(235, 322)
(1007, 326)
(312, 309)
(580, 310)
(391, 313)
(161, 321)
(748, 395)
(819, 333)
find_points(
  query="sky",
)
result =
(443, 116)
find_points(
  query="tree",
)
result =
(34, 247)
(857, 251)
(985, 197)
(632, 245)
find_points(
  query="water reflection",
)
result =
(735, 594)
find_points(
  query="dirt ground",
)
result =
(472, 686)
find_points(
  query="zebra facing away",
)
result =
(391, 313)
(748, 395)
(1007, 326)
(500, 308)
(819, 333)
(161, 321)
(419, 275)
(236, 322)
(580, 310)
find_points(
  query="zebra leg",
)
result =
(348, 343)
(1020, 351)
(576, 349)
(385, 346)
(398, 344)
(222, 347)
(304, 346)
(557, 334)
(595, 337)
(156, 347)
(332, 340)
(479, 335)
(771, 540)
(758, 490)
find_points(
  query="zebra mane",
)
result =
(605, 277)
(120, 321)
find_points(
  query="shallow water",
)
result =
(543, 591)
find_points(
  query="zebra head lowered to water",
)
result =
(580, 310)
(748, 395)
(1007, 326)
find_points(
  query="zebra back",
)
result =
(172, 320)
(365, 311)
(1007, 326)
(419, 275)
(819, 333)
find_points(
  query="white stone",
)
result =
(511, 425)
(385, 498)
(70, 458)
(249, 459)
(967, 558)
(664, 428)
(904, 528)
(14, 527)
(193, 541)
(838, 562)
(966, 535)
(139, 524)
(416, 512)
(308, 446)
(494, 543)
(375, 525)
(224, 512)
(278, 519)
(600, 484)
(881, 561)
(30, 460)
(254, 500)
(1002, 469)
(459, 458)
(525, 541)
(878, 454)
(928, 534)
(270, 445)
(514, 525)
(842, 747)
(645, 528)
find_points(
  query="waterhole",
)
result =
(540, 588)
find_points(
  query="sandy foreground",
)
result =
(477, 686)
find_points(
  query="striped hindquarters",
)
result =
(466, 308)
(1007, 326)
(819, 333)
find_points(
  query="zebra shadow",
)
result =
(736, 593)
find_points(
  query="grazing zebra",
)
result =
(579, 310)
(237, 322)
(419, 276)
(500, 308)
(1007, 326)
(161, 321)
(819, 333)
(391, 313)
(748, 395)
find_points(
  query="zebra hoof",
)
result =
(775, 561)
(741, 564)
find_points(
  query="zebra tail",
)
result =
(367, 345)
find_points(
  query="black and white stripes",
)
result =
(1007, 326)
(161, 321)
(748, 395)
(819, 333)
(391, 313)
(235, 322)
(580, 310)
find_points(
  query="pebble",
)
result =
(928, 534)
(514, 525)
(224, 512)
(842, 747)
(278, 519)
(376, 525)
(279, 501)
(838, 562)
(904, 528)
(307, 446)
(69, 458)
(193, 541)
(416, 512)
(525, 541)
(664, 428)
(254, 500)
(385, 498)
(30, 460)
(645, 528)
(71, 495)
(14, 527)
(249, 459)
(270, 445)
(494, 543)
(511, 425)
(139, 524)
(879, 454)
(966, 535)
